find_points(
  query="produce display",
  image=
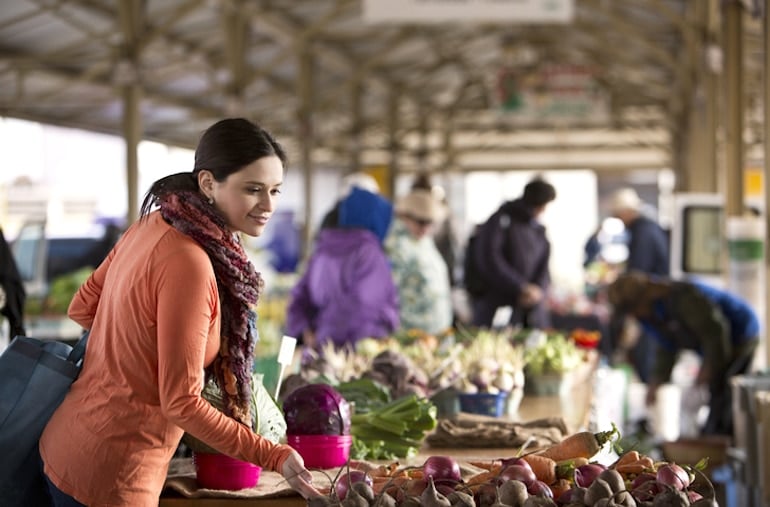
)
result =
(560, 475)
(316, 409)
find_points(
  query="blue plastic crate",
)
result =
(483, 403)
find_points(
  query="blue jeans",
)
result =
(60, 498)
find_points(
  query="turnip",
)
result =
(354, 499)
(432, 498)
(539, 501)
(513, 493)
(614, 479)
(346, 480)
(596, 491)
(460, 499)
(671, 497)
(384, 500)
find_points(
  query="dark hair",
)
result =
(224, 148)
(538, 192)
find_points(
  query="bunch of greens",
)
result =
(386, 429)
(550, 354)
(267, 418)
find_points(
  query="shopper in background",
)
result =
(174, 297)
(346, 292)
(648, 244)
(419, 271)
(510, 254)
(719, 326)
(648, 252)
(444, 232)
(12, 294)
(350, 181)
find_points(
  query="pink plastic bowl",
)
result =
(322, 451)
(217, 471)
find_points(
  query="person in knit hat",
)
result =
(346, 292)
(419, 271)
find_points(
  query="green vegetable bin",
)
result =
(483, 403)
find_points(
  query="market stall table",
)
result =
(269, 494)
(182, 490)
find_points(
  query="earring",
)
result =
(211, 200)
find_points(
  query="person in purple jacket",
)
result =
(346, 292)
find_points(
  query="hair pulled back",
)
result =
(224, 148)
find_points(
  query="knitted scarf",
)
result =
(239, 286)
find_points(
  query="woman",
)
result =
(347, 291)
(173, 298)
(419, 271)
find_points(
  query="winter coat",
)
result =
(511, 250)
(421, 277)
(346, 292)
(648, 247)
(693, 316)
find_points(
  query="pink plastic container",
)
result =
(322, 451)
(217, 471)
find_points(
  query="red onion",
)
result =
(539, 488)
(506, 462)
(694, 496)
(586, 474)
(348, 479)
(673, 475)
(441, 467)
(517, 473)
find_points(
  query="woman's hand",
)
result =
(298, 477)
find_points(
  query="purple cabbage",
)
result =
(316, 409)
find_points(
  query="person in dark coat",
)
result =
(511, 254)
(648, 244)
(648, 252)
(12, 294)
(722, 328)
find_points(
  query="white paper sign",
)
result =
(486, 11)
(286, 352)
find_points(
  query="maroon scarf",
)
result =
(239, 286)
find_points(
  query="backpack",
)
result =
(473, 280)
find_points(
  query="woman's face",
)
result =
(247, 198)
(417, 228)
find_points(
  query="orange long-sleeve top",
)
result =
(153, 310)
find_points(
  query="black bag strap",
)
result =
(79, 350)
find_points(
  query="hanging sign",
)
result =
(551, 91)
(468, 11)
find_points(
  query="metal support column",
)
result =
(766, 174)
(732, 23)
(394, 145)
(305, 130)
(131, 15)
(356, 125)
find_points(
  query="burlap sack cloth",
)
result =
(181, 479)
(477, 431)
